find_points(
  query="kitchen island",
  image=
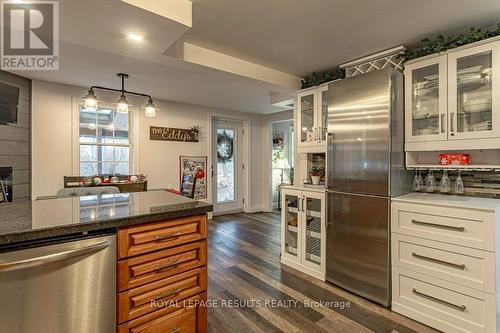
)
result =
(128, 262)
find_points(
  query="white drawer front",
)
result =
(468, 267)
(436, 304)
(455, 226)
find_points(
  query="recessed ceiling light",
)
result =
(135, 37)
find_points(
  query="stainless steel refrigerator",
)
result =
(365, 162)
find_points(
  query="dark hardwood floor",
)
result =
(249, 290)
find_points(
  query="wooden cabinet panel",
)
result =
(135, 272)
(151, 237)
(188, 316)
(148, 298)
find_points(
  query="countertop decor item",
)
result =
(454, 159)
(441, 43)
(316, 174)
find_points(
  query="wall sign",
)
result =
(173, 134)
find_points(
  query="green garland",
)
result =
(430, 46)
(441, 43)
(315, 79)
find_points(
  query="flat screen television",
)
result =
(9, 100)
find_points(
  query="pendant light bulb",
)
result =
(90, 101)
(122, 105)
(150, 109)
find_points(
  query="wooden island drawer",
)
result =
(464, 227)
(138, 271)
(137, 240)
(184, 317)
(150, 297)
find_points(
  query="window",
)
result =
(104, 140)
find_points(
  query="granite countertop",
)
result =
(41, 219)
(450, 201)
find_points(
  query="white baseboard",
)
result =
(256, 209)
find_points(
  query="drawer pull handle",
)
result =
(435, 225)
(170, 265)
(418, 256)
(175, 330)
(458, 307)
(174, 292)
(169, 236)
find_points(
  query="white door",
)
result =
(474, 92)
(227, 166)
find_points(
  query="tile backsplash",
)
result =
(478, 184)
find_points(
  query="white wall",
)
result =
(53, 140)
(267, 136)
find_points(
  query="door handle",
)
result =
(452, 122)
(169, 236)
(435, 225)
(174, 292)
(432, 298)
(438, 261)
(303, 204)
(442, 123)
(170, 265)
(53, 257)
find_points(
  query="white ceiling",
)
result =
(303, 36)
(296, 37)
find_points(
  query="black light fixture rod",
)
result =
(120, 91)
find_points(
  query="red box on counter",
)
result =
(454, 159)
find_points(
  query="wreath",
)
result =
(225, 147)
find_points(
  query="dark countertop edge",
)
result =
(30, 235)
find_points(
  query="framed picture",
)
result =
(189, 167)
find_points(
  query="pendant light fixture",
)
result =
(90, 101)
(150, 109)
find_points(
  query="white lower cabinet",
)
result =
(303, 241)
(443, 266)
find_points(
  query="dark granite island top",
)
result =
(36, 220)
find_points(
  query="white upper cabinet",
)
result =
(474, 92)
(454, 98)
(425, 102)
(312, 119)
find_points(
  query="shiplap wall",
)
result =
(15, 139)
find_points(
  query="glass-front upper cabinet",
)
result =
(312, 119)
(314, 230)
(290, 224)
(426, 100)
(473, 100)
(306, 117)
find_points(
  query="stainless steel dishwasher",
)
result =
(60, 287)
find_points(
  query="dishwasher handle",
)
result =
(52, 257)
